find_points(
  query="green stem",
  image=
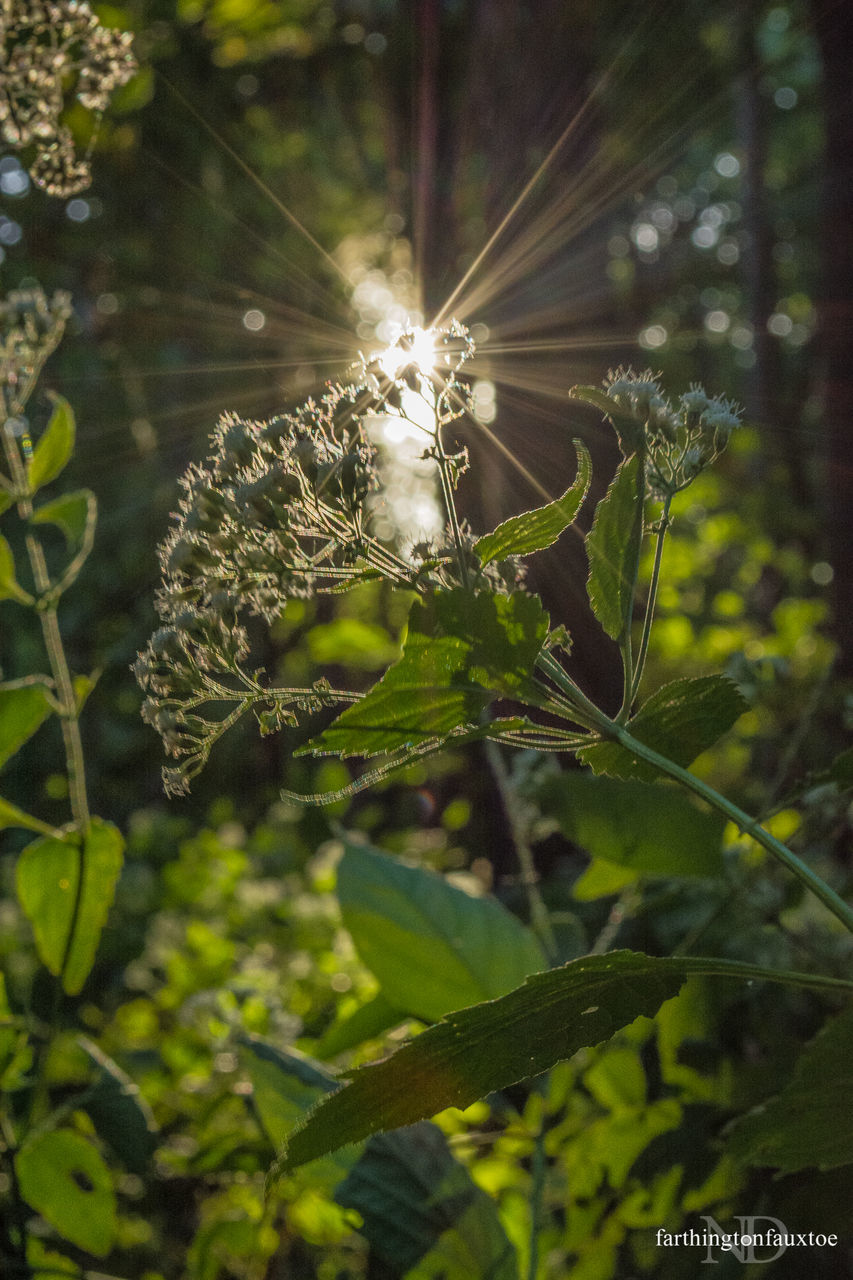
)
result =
(539, 917)
(650, 605)
(450, 505)
(747, 825)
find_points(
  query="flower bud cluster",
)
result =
(43, 44)
(677, 440)
(31, 326)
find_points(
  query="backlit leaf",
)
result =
(73, 513)
(10, 588)
(55, 446)
(535, 530)
(613, 546)
(490, 1046)
(23, 709)
(432, 946)
(653, 830)
(50, 893)
(461, 651)
(63, 1178)
(680, 721)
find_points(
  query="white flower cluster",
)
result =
(677, 440)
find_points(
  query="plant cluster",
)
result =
(44, 44)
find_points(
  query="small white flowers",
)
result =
(677, 441)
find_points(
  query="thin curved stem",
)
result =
(749, 826)
(650, 604)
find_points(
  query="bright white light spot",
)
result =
(417, 348)
(10, 232)
(714, 215)
(705, 237)
(655, 335)
(479, 333)
(662, 217)
(483, 397)
(14, 182)
(254, 320)
(645, 237)
(728, 253)
(822, 573)
(800, 334)
(78, 210)
(717, 321)
(727, 165)
(780, 325)
(786, 97)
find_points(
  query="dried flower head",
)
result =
(31, 326)
(44, 45)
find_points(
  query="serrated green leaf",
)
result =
(48, 883)
(432, 946)
(54, 448)
(650, 829)
(680, 721)
(535, 530)
(64, 1179)
(122, 1119)
(12, 816)
(414, 1199)
(810, 1123)
(74, 513)
(422, 1211)
(490, 1046)
(23, 709)
(613, 547)
(461, 651)
(10, 589)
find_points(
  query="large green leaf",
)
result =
(810, 1123)
(122, 1119)
(422, 1211)
(461, 651)
(419, 1207)
(54, 448)
(490, 1046)
(613, 546)
(74, 513)
(680, 721)
(653, 830)
(10, 588)
(64, 1179)
(54, 900)
(432, 946)
(23, 709)
(535, 530)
